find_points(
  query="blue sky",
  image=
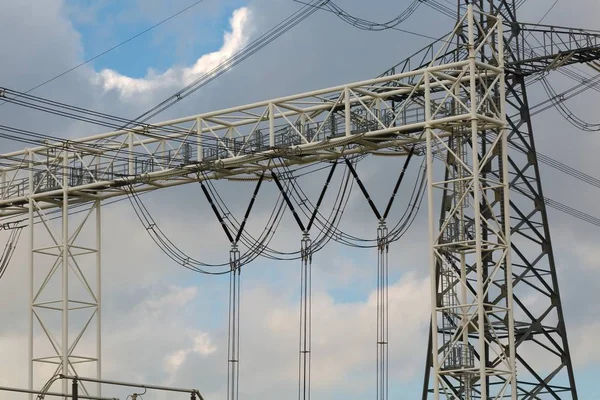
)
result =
(180, 42)
(177, 42)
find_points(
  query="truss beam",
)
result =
(321, 125)
(540, 48)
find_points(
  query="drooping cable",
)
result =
(584, 85)
(566, 113)
(363, 24)
(10, 246)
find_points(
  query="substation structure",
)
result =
(460, 103)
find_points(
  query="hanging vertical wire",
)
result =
(305, 319)
(233, 338)
(387, 312)
(238, 330)
(382, 311)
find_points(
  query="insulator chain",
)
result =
(382, 311)
(305, 318)
(233, 340)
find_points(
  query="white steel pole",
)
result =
(507, 224)
(432, 232)
(481, 315)
(199, 156)
(130, 149)
(271, 125)
(99, 294)
(65, 270)
(3, 183)
(31, 273)
(347, 114)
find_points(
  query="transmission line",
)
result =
(259, 43)
(112, 48)
(363, 24)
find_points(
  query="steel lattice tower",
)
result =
(460, 101)
(544, 367)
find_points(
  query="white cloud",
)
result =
(170, 338)
(202, 345)
(233, 41)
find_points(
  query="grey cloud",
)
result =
(320, 52)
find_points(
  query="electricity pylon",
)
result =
(463, 100)
(543, 361)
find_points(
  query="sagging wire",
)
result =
(441, 8)
(9, 249)
(566, 113)
(323, 237)
(586, 84)
(47, 386)
(363, 24)
(255, 246)
(397, 231)
(246, 52)
(163, 242)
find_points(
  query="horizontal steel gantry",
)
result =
(320, 125)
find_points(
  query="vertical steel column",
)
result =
(470, 252)
(541, 330)
(305, 317)
(65, 270)
(31, 274)
(61, 245)
(233, 341)
(382, 311)
(199, 150)
(98, 206)
(433, 262)
(531, 268)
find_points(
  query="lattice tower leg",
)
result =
(540, 332)
(65, 285)
(471, 248)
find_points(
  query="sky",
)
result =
(165, 325)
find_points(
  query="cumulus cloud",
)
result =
(164, 325)
(202, 345)
(233, 41)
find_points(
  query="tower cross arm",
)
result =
(538, 48)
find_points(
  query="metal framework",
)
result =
(460, 102)
(539, 333)
(325, 124)
(65, 291)
(474, 232)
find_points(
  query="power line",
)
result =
(367, 22)
(367, 25)
(248, 51)
(113, 47)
